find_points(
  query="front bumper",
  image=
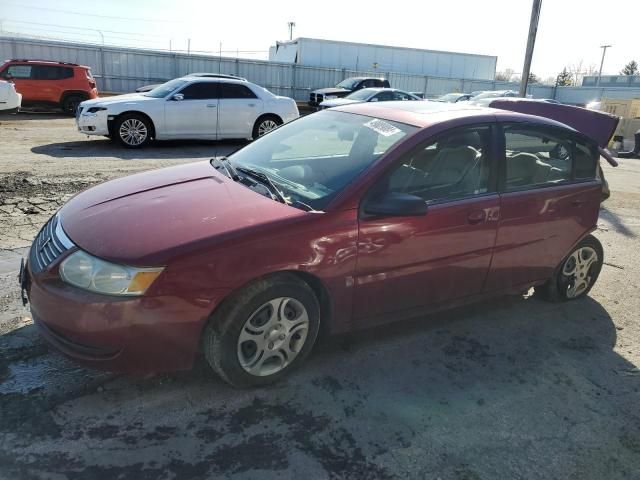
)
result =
(92, 123)
(129, 335)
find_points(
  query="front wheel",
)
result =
(265, 124)
(262, 332)
(133, 131)
(577, 273)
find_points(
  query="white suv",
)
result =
(191, 107)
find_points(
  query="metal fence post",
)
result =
(293, 81)
(237, 67)
(102, 70)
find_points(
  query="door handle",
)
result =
(477, 216)
(211, 105)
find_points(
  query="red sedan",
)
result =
(346, 218)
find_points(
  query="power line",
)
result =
(82, 28)
(111, 17)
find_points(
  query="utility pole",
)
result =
(604, 51)
(291, 25)
(533, 30)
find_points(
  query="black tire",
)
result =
(221, 336)
(70, 104)
(265, 120)
(558, 288)
(138, 123)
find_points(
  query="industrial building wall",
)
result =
(357, 56)
(122, 70)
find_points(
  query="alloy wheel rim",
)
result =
(133, 131)
(266, 126)
(577, 270)
(273, 336)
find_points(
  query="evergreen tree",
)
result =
(630, 68)
(564, 78)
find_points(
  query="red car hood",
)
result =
(147, 218)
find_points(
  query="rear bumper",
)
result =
(12, 103)
(129, 335)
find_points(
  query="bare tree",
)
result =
(579, 70)
(575, 70)
(505, 75)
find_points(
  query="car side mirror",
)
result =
(178, 97)
(396, 204)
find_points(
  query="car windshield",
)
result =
(361, 94)
(348, 83)
(489, 95)
(449, 97)
(165, 89)
(312, 159)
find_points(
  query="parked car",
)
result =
(191, 107)
(344, 88)
(50, 84)
(370, 95)
(485, 98)
(148, 88)
(454, 97)
(396, 210)
(10, 100)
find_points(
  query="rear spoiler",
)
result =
(598, 126)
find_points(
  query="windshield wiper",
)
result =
(305, 206)
(223, 162)
(263, 178)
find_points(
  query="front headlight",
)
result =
(96, 109)
(90, 273)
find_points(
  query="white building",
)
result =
(383, 58)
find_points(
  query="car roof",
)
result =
(365, 78)
(214, 79)
(214, 75)
(44, 62)
(425, 113)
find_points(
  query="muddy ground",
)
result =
(515, 388)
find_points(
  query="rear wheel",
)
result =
(70, 104)
(263, 331)
(577, 273)
(132, 130)
(265, 124)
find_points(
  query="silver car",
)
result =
(370, 95)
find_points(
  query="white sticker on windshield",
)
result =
(382, 127)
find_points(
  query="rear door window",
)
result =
(234, 90)
(50, 72)
(536, 157)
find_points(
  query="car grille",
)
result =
(316, 97)
(50, 243)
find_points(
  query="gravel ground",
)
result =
(514, 388)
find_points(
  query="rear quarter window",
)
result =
(586, 160)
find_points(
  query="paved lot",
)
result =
(515, 388)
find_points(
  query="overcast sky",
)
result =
(569, 31)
